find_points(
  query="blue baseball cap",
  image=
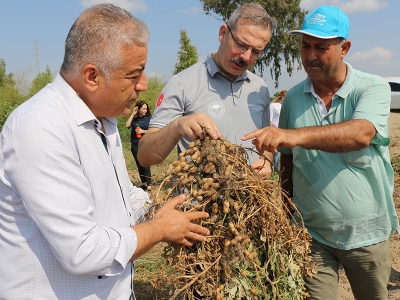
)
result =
(326, 22)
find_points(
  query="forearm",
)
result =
(156, 145)
(129, 121)
(347, 136)
(148, 235)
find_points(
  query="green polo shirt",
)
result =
(345, 198)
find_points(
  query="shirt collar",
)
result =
(78, 108)
(212, 69)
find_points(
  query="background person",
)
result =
(139, 122)
(219, 94)
(274, 112)
(70, 219)
(335, 162)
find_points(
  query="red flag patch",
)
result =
(160, 99)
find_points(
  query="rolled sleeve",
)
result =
(127, 247)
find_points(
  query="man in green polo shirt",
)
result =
(335, 163)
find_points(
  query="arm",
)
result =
(343, 137)
(157, 143)
(129, 121)
(170, 225)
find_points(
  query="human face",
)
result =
(242, 48)
(143, 110)
(323, 58)
(126, 83)
(239, 47)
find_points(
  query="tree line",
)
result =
(282, 49)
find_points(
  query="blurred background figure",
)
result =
(274, 112)
(139, 122)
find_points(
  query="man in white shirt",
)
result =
(71, 223)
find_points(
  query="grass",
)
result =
(146, 272)
(157, 171)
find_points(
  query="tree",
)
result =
(41, 80)
(187, 55)
(283, 47)
(10, 98)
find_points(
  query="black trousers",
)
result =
(144, 172)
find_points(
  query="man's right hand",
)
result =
(178, 226)
(194, 126)
(170, 225)
(158, 143)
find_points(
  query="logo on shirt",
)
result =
(160, 99)
(216, 109)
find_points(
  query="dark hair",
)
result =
(139, 105)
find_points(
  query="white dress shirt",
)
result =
(65, 203)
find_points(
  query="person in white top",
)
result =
(71, 223)
(274, 112)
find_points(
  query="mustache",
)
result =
(314, 63)
(239, 61)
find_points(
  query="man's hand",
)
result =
(171, 226)
(194, 126)
(270, 138)
(177, 226)
(263, 166)
(157, 143)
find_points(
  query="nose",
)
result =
(141, 85)
(246, 55)
(312, 54)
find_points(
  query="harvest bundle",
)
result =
(253, 251)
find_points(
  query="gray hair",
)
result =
(97, 37)
(254, 14)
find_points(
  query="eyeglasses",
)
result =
(243, 47)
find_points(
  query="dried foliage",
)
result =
(253, 251)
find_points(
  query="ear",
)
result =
(345, 48)
(222, 31)
(92, 77)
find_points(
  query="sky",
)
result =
(32, 34)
